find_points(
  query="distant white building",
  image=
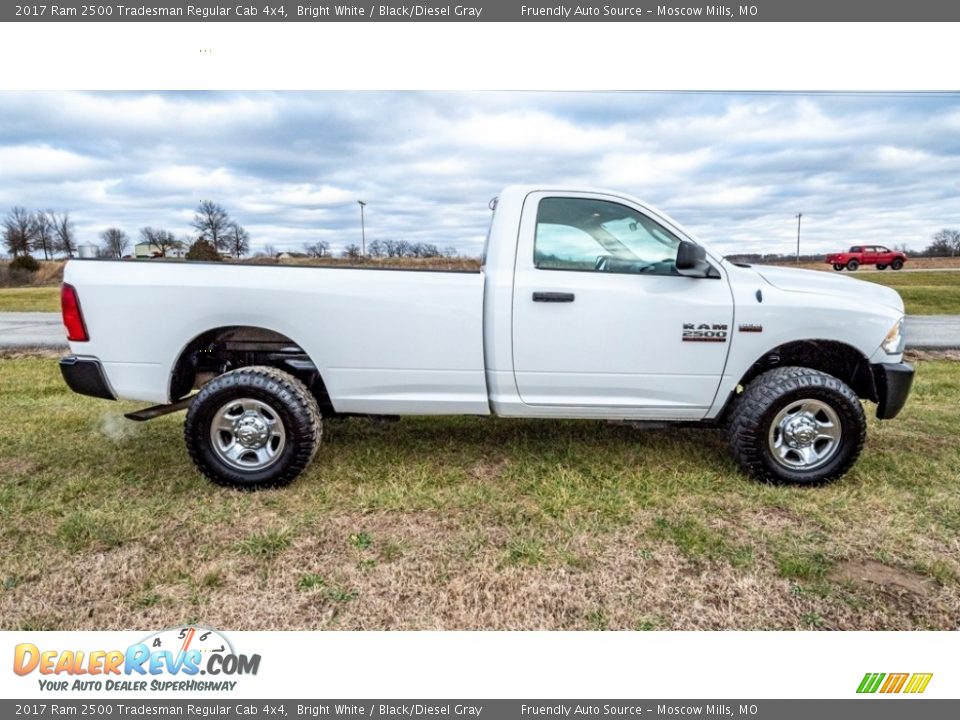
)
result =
(149, 250)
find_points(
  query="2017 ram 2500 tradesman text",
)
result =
(590, 304)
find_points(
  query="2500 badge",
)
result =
(705, 332)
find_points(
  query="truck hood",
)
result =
(822, 283)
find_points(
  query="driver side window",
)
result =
(601, 236)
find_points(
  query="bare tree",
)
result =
(237, 240)
(376, 249)
(450, 252)
(940, 245)
(426, 250)
(392, 248)
(18, 231)
(213, 223)
(163, 240)
(351, 251)
(945, 242)
(270, 251)
(319, 249)
(43, 234)
(115, 242)
(64, 242)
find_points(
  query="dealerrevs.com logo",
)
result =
(181, 659)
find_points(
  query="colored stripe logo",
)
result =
(913, 683)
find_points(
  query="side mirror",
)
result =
(692, 260)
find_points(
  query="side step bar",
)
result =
(157, 410)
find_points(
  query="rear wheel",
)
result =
(838, 266)
(852, 265)
(796, 425)
(253, 427)
(881, 267)
(896, 264)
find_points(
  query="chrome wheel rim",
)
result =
(805, 435)
(247, 434)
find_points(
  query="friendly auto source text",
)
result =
(636, 12)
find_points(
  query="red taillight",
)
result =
(72, 317)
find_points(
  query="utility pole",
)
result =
(363, 231)
(799, 215)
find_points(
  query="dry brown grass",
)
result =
(424, 571)
(19, 353)
(50, 273)
(915, 355)
(470, 523)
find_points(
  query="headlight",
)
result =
(894, 341)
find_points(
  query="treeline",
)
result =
(53, 234)
(945, 242)
(378, 249)
(218, 235)
(42, 231)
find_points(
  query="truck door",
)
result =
(602, 319)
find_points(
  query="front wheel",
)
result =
(838, 266)
(798, 426)
(896, 264)
(253, 427)
(852, 265)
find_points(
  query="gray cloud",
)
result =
(735, 168)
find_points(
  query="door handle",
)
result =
(553, 297)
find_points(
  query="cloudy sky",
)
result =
(734, 168)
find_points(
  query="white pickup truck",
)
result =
(589, 304)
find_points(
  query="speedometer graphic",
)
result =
(179, 640)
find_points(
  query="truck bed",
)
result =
(385, 341)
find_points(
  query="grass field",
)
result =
(923, 293)
(470, 523)
(30, 299)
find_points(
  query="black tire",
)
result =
(751, 418)
(838, 266)
(881, 267)
(278, 395)
(896, 264)
(852, 265)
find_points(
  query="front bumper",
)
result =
(893, 382)
(85, 375)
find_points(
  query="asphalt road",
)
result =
(39, 329)
(32, 329)
(932, 332)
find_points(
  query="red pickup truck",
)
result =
(867, 255)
